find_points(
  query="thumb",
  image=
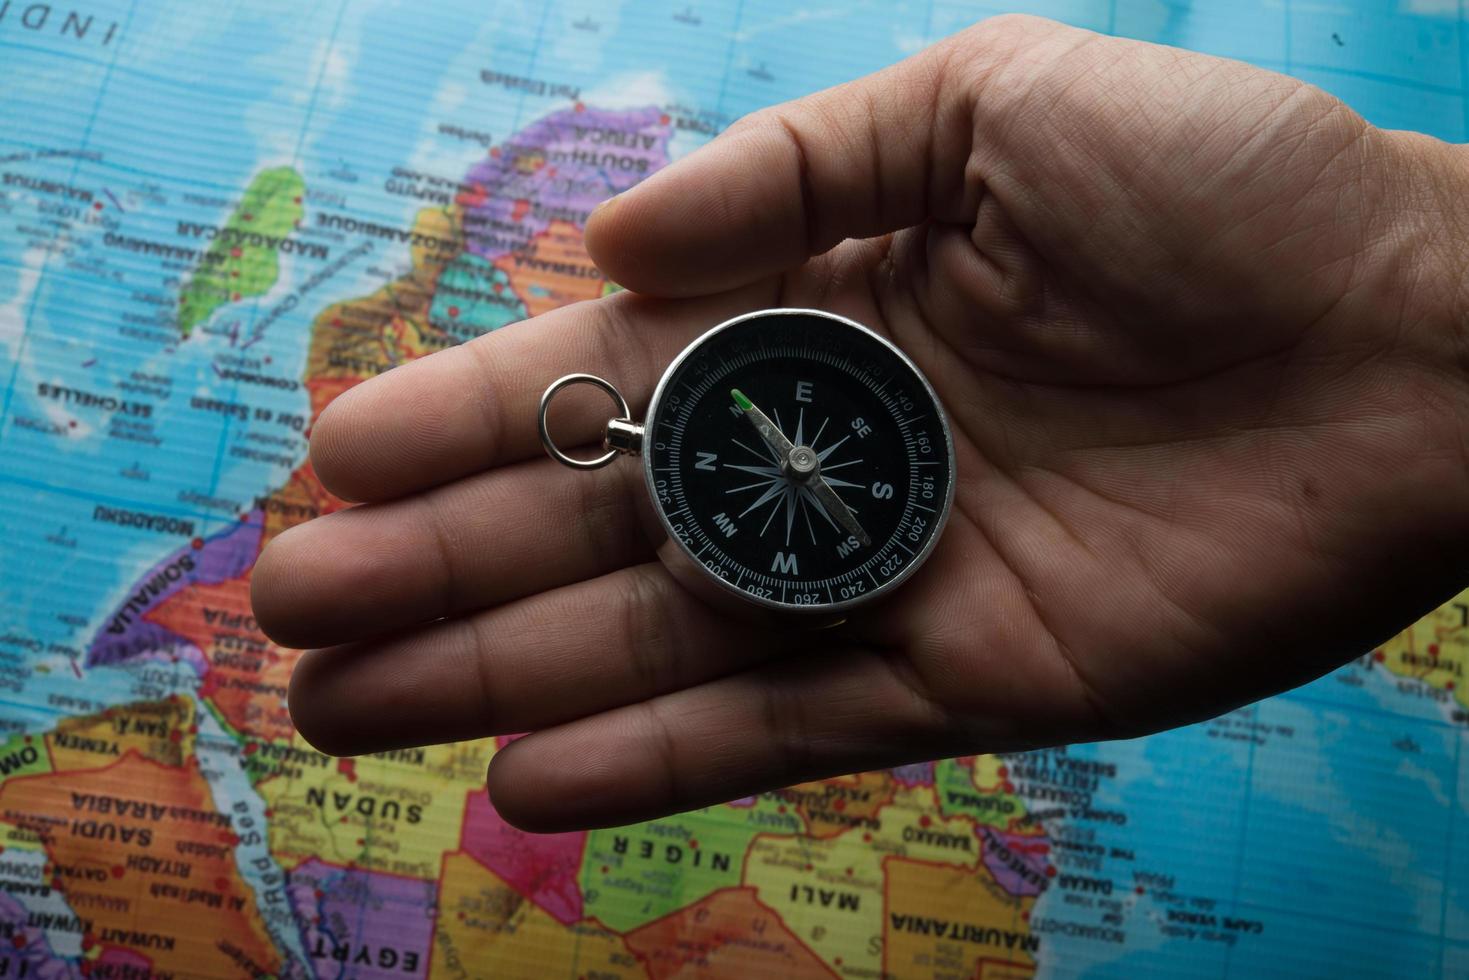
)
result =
(786, 183)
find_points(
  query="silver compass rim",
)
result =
(819, 609)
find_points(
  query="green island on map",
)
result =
(243, 260)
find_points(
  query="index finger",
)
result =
(468, 408)
(787, 183)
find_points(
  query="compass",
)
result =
(794, 459)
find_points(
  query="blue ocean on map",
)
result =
(1321, 832)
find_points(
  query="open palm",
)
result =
(1209, 417)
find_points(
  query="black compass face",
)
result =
(799, 459)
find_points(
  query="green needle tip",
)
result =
(739, 398)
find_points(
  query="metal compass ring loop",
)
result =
(580, 379)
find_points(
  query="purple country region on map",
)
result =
(372, 924)
(118, 962)
(543, 867)
(558, 169)
(917, 774)
(126, 636)
(25, 952)
(1017, 861)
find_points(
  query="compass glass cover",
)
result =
(764, 527)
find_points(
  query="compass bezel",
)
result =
(692, 570)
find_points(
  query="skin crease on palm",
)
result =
(1201, 334)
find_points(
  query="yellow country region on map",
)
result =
(158, 730)
(911, 826)
(945, 921)
(396, 812)
(828, 891)
(1434, 650)
(485, 928)
(833, 806)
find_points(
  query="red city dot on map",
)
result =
(361, 842)
(117, 871)
(319, 894)
(454, 311)
(222, 884)
(781, 808)
(1449, 685)
(18, 941)
(605, 869)
(581, 107)
(1050, 871)
(175, 736)
(839, 804)
(344, 818)
(867, 838)
(810, 867)
(248, 216)
(1003, 772)
(663, 120)
(1433, 649)
(197, 543)
(1140, 889)
(1379, 656)
(849, 871)
(694, 843)
(1009, 786)
(297, 199)
(1025, 914)
(88, 940)
(236, 297)
(251, 748)
(235, 252)
(924, 820)
(837, 960)
(494, 151)
(72, 423)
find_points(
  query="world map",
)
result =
(216, 218)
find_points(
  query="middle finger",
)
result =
(474, 543)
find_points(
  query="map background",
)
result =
(1349, 848)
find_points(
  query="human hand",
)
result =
(1199, 329)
